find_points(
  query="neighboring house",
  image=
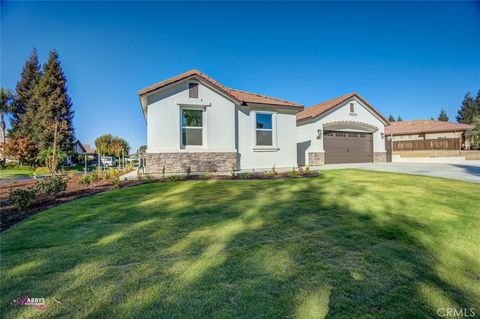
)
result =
(78, 148)
(435, 134)
(194, 121)
(346, 129)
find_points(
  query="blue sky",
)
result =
(407, 58)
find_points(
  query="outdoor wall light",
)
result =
(319, 136)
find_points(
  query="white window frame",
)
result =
(203, 127)
(265, 148)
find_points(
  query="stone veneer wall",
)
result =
(379, 157)
(198, 162)
(316, 158)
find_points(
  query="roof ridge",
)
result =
(263, 95)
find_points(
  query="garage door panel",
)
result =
(348, 147)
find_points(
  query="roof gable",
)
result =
(240, 97)
(321, 108)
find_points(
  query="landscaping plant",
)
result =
(22, 198)
(52, 186)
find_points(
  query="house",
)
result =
(78, 148)
(427, 134)
(346, 129)
(195, 121)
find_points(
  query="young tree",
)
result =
(25, 110)
(142, 149)
(399, 119)
(22, 149)
(54, 106)
(391, 118)
(473, 135)
(443, 116)
(469, 109)
(6, 106)
(102, 144)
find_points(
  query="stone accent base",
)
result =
(197, 161)
(316, 158)
(379, 157)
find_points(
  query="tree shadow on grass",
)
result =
(296, 248)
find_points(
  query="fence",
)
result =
(419, 145)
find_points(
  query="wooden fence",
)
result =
(419, 145)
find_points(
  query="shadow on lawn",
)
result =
(301, 248)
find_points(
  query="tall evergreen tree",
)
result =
(399, 119)
(55, 114)
(470, 108)
(25, 103)
(391, 118)
(443, 116)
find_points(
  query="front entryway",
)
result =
(348, 147)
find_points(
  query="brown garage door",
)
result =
(348, 147)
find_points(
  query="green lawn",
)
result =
(347, 244)
(15, 173)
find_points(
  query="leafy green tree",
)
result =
(142, 149)
(6, 106)
(391, 118)
(399, 119)
(54, 108)
(102, 144)
(25, 103)
(443, 116)
(473, 135)
(469, 109)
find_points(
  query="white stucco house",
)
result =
(346, 129)
(195, 122)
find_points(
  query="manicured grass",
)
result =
(347, 244)
(15, 173)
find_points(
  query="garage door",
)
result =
(348, 147)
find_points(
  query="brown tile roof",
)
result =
(318, 109)
(424, 126)
(241, 97)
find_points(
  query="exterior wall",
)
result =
(307, 132)
(164, 120)
(198, 162)
(379, 157)
(282, 155)
(316, 158)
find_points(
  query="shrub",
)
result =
(116, 182)
(114, 172)
(274, 171)
(307, 171)
(85, 180)
(205, 175)
(293, 173)
(52, 186)
(244, 175)
(106, 174)
(189, 171)
(173, 178)
(233, 171)
(22, 198)
(94, 177)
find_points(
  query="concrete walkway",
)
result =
(469, 171)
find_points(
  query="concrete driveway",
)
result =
(469, 171)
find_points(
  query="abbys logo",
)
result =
(26, 300)
(456, 313)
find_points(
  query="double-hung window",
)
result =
(264, 129)
(192, 127)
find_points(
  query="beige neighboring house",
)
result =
(427, 130)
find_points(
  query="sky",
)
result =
(405, 58)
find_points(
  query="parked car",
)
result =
(107, 161)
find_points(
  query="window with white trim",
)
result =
(264, 129)
(192, 127)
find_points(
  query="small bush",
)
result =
(116, 182)
(94, 177)
(106, 174)
(274, 171)
(114, 172)
(307, 171)
(244, 175)
(232, 172)
(293, 173)
(52, 186)
(189, 171)
(173, 178)
(149, 178)
(205, 175)
(85, 180)
(22, 198)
